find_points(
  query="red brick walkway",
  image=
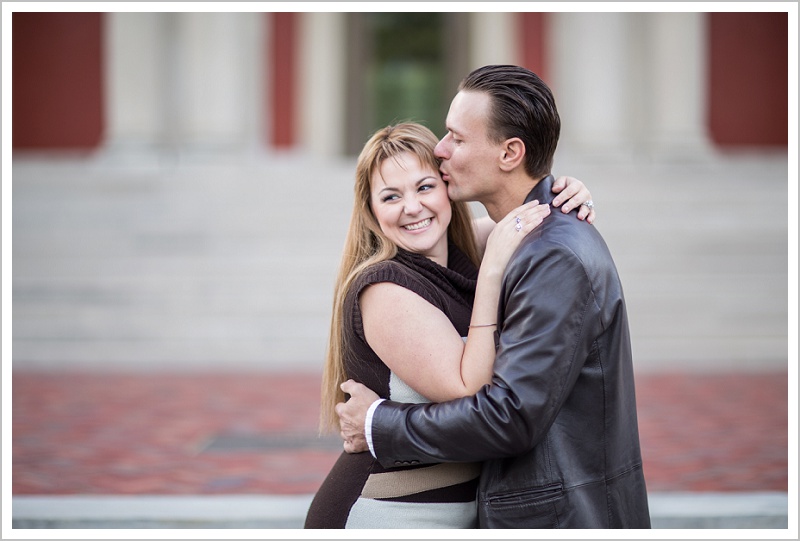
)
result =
(177, 433)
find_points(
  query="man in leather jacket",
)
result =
(557, 429)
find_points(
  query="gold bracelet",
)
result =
(486, 325)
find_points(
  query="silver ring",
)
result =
(589, 204)
(518, 227)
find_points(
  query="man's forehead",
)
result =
(467, 110)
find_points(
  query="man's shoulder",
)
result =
(562, 231)
(563, 236)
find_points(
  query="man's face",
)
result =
(468, 157)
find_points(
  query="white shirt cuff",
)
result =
(368, 425)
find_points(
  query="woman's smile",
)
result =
(418, 225)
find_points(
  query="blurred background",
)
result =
(182, 184)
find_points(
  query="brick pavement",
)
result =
(255, 433)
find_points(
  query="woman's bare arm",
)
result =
(417, 341)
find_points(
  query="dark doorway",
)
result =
(402, 66)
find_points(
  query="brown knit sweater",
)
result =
(451, 289)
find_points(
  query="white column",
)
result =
(254, 92)
(493, 39)
(592, 82)
(322, 84)
(216, 57)
(178, 82)
(677, 73)
(134, 67)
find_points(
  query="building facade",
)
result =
(658, 85)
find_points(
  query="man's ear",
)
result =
(513, 154)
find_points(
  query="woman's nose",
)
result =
(412, 205)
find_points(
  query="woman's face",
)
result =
(410, 202)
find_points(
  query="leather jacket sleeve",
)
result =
(550, 321)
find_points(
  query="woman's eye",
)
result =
(388, 198)
(426, 187)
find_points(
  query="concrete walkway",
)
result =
(762, 510)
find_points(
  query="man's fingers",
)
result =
(355, 446)
(339, 408)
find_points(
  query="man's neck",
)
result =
(511, 196)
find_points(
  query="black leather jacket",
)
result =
(557, 428)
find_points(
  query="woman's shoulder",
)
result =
(390, 271)
(382, 271)
(400, 273)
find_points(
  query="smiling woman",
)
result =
(410, 202)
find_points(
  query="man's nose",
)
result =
(439, 149)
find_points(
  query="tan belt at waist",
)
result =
(394, 484)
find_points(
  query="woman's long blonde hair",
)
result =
(366, 244)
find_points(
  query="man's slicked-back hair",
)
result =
(522, 106)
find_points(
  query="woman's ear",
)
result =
(513, 154)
